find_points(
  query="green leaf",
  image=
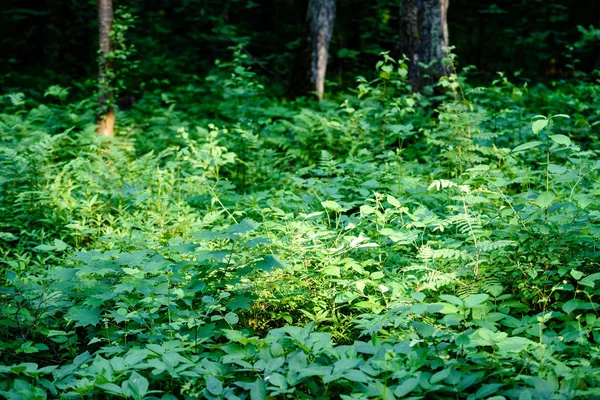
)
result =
(138, 384)
(486, 390)
(332, 205)
(571, 306)
(576, 274)
(84, 316)
(560, 139)
(556, 169)
(258, 390)
(232, 318)
(440, 376)
(462, 340)
(269, 263)
(393, 201)
(539, 125)
(527, 146)
(59, 245)
(590, 280)
(406, 387)
(545, 199)
(475, 300)
(214, 386)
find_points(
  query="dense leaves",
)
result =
(381, 244)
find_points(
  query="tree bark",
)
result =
(321, 16)
(423, 35)
(106, 113)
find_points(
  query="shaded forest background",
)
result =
(56, 42)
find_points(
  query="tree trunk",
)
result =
(321, 16)
(106, 112)
(423, 35)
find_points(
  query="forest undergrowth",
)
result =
(379, 244)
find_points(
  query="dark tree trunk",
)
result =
(311, 64)
(106, 111)
(423, 35)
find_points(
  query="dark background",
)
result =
(55, 42)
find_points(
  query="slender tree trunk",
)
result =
(106, 112)
(321, 16)
(423, 35)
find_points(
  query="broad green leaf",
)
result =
(556, 169)
(538, 125)
(452, 299)
(545, 199)
(576, 274)
(486, 390)
(232, 318)
(84, 316)
(462, 340)
(214, 385)
(590, 280)
(406, 387)
(332, 205)
(269, 263)
(440, 376)
(393, 201)
(527, 146)
(475, 300)
(138, 384)
(560, 139)
(514, 344)
(571, 306)
(59, 245)
(258, 390)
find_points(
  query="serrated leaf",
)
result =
(84, 316)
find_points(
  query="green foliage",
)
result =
(382, 245)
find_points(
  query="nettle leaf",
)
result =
(538, 125)
(84, 316)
